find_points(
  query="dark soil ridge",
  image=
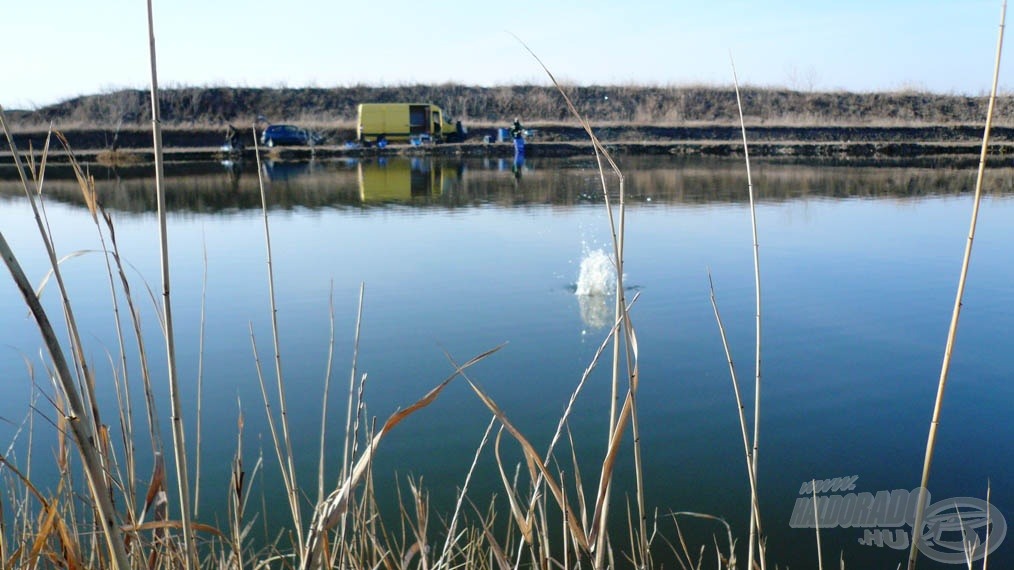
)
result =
(942, 144)
(201, 137)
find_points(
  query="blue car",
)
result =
(290, 135)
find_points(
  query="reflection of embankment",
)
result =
(214, 187)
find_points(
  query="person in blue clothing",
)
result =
(517, 131)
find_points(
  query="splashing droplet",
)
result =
(596, 282)
(597, 276)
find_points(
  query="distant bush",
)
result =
(494, 105)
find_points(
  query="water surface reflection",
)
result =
(432, 181)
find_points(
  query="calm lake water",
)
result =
(859, 269)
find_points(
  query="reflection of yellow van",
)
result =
(399, 122)
(400, 180)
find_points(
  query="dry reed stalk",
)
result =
(730, 561)
(349, 439)
(85, 377)
(535, 462)
(327, 390)
(756, 538)
(179, 439)
(329, 512)
(754, 510)
(84, 434)
(360, 407)
(289, 462)
(279, 454)
(523, 518)
(985, 552)
(154, 431)
(564, 418)
(953, 330)
(237, 501)
(453, 527)
(126, 417)
(86, 184)
(621, 312)
(352, 382)
(816, 523)
(200, 372)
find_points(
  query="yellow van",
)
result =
(404, 122)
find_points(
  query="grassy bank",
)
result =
(485, 106)
(865, 128)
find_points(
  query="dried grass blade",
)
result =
(85, 182)
(452, 529)
(155, 486)
(498, 553)
(524, 522)
(578, 485)
(576, 530)
(174, 524)
(45, 156)
(728, 531)
(46, 528)
(328, 513)
(69, 546)
(608, 465)
(49, 273)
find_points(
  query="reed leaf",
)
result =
(46, 528)
(328, 512)
(523, 521)
(577, 532)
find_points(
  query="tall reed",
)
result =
(952, 331)
(285, 454)
(756, 537)
(179, 439)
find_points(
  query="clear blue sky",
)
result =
(64, 48)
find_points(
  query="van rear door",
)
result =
(418, 119)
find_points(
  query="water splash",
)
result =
(597, 276)
(596, 283)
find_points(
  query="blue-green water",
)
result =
(859, 271)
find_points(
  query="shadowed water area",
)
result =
(859, 268)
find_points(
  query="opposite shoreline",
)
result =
(941, 145)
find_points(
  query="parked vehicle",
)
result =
(402, 122)
(291, 135)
